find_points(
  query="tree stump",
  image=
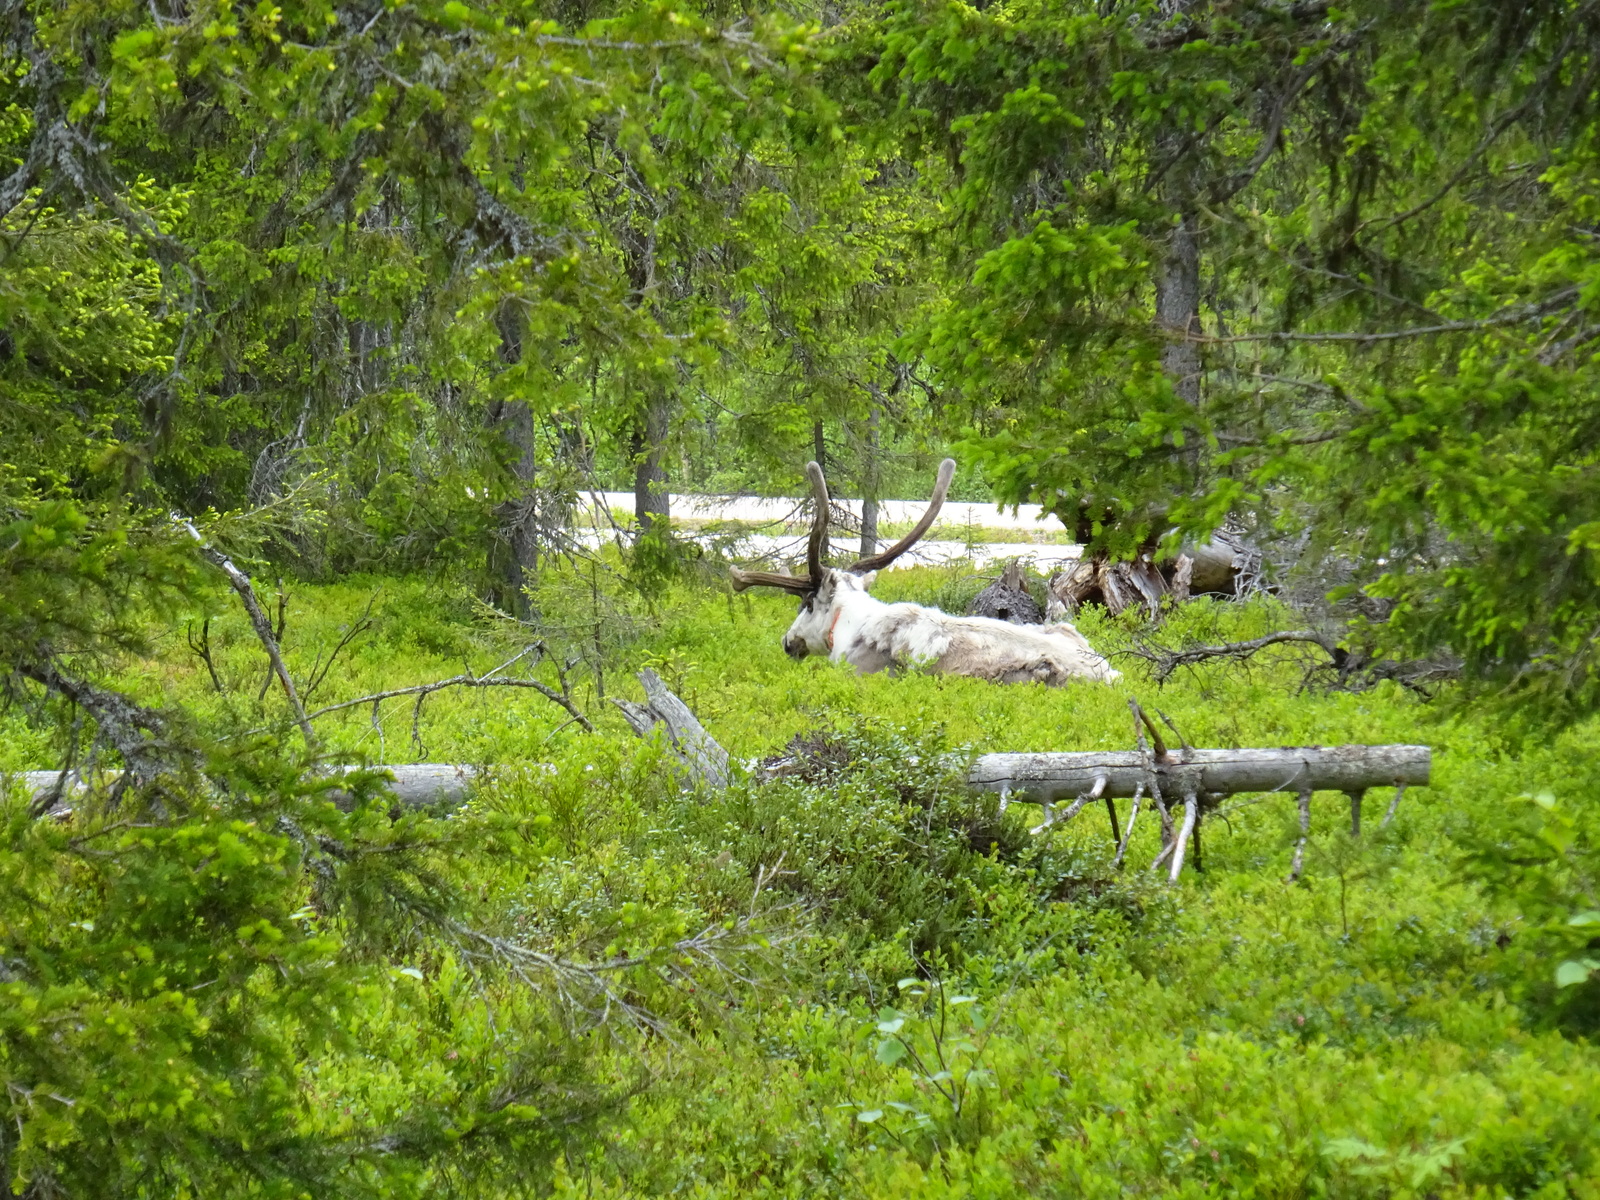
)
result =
(1007, 599)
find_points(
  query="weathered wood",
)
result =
(1047, 777)
(706, 760)
(1040, 778)
(1191, 809)
(1304, 802)
(414, 785)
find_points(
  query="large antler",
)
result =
(816, 548)
(876, 562)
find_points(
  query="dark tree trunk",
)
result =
(819, 446)
(1178, 307)
(649, 446)
(514, 558)
(869, 484)
(648, 441)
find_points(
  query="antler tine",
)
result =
(817, 548)
(875, 562)
(749, 579)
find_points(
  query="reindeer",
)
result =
(840, 619)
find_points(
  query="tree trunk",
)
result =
(1178, 307)
(650, 496)
(1042, 778)
(514, 559)
(648, 441)
(869, 484)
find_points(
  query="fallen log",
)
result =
(1040, 778)
(1046, 777)
(413, 785)
(1199, 777)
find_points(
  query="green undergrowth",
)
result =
(913, 994)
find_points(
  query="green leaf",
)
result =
(870, 1115)
(890, 1051)
(1574, 971)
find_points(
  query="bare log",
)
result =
(416, 785)
(1048, 777)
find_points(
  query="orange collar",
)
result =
(837, 613)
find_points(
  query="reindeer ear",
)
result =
(868, 580)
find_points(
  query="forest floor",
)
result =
(950, 1005)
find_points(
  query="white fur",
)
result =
(872, 636)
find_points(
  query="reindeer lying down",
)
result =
(839, 618)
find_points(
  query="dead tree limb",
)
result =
(1050, 817)
(1304, 801)
(140, 735)
(320, 669)
(1191, 814)
(262, 626)
(699, 752)
(1127, 833)
(1394, 805)
(1343, 667)
(423, 690)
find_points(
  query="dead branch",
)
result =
(320, 669)
(1191, 815)
(1394, 805)
(138, 734)
(423, 690)
(1304, 801)
(201, 647)
(1050, 818)
(1344, 668)
(700, 753)
(262, 626)
(1127, 833)
(277, 633)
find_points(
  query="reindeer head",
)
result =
(822, 589)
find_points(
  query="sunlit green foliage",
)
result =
(1392, 1025)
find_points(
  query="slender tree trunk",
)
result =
(514, 559)
(648, 441)
(650, 495)
(869, 483)
(1178, 307)
(819, 446)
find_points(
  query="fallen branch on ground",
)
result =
(468, 680)
(1201, 777)
(262, 626)
(1348, 670)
